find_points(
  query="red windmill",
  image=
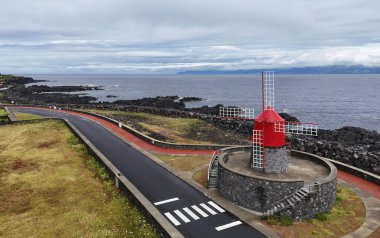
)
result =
(269, 153)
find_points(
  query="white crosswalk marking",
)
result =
(172, 219)
(183, 217)
(229, 225)
(208, 209)
(188, 211)
(216, 206)
(197, 209)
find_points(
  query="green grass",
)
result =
(184, 162)
(51, 187)
(25, 116)
(3, 112)
(347, 215)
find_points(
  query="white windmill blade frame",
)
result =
(257, 149)
(297, 128)
(268, 90)
(238, 113)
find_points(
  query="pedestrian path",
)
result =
(193, 213)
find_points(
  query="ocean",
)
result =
(331, 100)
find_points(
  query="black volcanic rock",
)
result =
(288, 117)
(191, 99)
(160, 102)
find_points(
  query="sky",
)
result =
(167, 36)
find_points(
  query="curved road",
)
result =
(191, 212)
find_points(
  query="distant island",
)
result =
(334, 69)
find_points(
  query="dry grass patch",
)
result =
(184, 162)
(346, 216)
(50, 187)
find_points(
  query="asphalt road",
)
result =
(191, 212)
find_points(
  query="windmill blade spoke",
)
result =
(258, 149)
(237, 113)
(300, 128)
(268, 90)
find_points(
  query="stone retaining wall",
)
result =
(260, 194)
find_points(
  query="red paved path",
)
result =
(364, 185)
(360, 183)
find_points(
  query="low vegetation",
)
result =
(3, 115)
(25, 116)
(201, 176)
(184, 162)
(175, 130)
(51, 187)
(346, 216)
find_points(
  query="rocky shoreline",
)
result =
(351, 145)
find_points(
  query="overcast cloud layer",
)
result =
(166, 36)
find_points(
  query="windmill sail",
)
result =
(298, 128)
(258, 149)
(268, 90)
(237, 113)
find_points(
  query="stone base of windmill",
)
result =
(276, 160)
(261, 192)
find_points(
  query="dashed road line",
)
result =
(208, 209)
(172, 219)
(166, 201)
(216, 206)
(229, 225)
(183, 217)
(197, 209)
(192, 214)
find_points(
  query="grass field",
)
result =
(184, 162)
(176, 130)
(25, 116)
(346, 216)
(50, 187)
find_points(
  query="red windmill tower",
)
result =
(270, 153)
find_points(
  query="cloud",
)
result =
(164, 36)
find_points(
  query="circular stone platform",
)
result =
(307, 188)
(299, 168)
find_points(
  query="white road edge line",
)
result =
(208, 209)
(172, 219)
(216, 206)
(188, 211)
(199, 211)
(166, 201)
(183, 217)
(229, 225)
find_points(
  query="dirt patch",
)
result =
(47, 144)
(21, 166)
(16, 198)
